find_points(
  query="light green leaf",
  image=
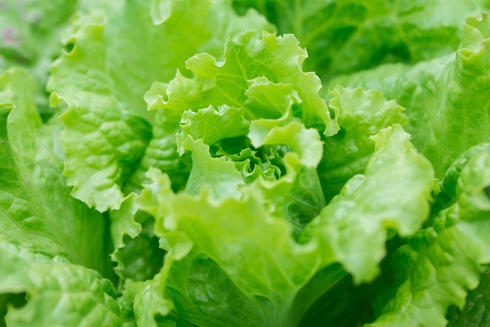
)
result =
(58, 293)
(162, 153)
(102, 150)
(29, 37)
(361, 114)
(213, 125)
(446, 98)
(440, 263)
(218, 175)
(36, 209)
(261, 286)
(304, 142)
(269, 100)
(148, 303)
(392, 193)
(449, 183)
(249, 61)
(104, 75)
(137, 253)
(46, 236)
(346, 36)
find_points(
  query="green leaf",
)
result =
(392, 193)
(36, 209)
(305, 142)
(361, 114)
(261, 286)
(218, 175)
(269, 100)
(446, 98)
(137, 252)
(58, 293)
(476, 311)
(249, 61)
(29, 37)
(440, 263)
(305, 199)
(162, 153)
(112, 145)
(109, 67)
(449, 184)
(213, 125)
(148, 303)
(346, 36)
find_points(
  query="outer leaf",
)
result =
(362, 114)
(440, 263)
(344, 36)
(58, 293)
(36, 209)
(103, 77)
(393, 193)
(261, 286)
(447, 102)
(29, 37)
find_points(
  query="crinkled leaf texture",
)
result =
(347, 36)
(252, 65)
(392, 193)
(58, 293)
(361, 114)
(264, 276)
(251, 115)
(36, 208)
(29, 37)
(103, 77)
(446, 99)
(477, 309)
(205, 282)
(50, 244)
(439, 264)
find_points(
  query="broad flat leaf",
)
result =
(36, 209)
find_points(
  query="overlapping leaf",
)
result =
(446, 98)
(103, 77)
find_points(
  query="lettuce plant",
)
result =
(244, 163)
